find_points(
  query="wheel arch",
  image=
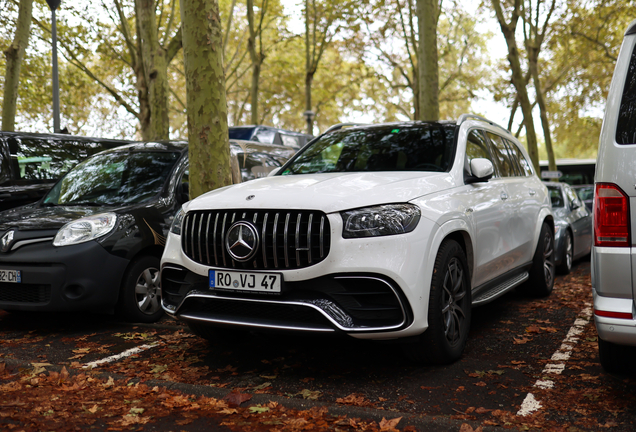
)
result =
(459, 231)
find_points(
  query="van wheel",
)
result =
(541, 280)
(449, 310)
(568, 255)
(616, 358)
(140, 295)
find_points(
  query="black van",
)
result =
(31, 163)
(94, 241)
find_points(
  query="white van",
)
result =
(613, 254)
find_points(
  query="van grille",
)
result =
(289, 239)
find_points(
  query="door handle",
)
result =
(532, 192)
(504, 196)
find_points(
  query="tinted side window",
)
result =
(524, 165)
(626, 124)
(500, 154)
(5, 169)
(476, 147)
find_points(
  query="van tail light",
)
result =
(611, 314)
(611, 216)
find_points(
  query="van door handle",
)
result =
(504, 196)
(532, 192)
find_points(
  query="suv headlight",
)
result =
(381, 220)
(85, 229)
(175, 228)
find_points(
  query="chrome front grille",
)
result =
(288, 239)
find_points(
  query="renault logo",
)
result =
(242, 241)
(6, 241)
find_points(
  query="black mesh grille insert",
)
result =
(288, 239)
(25, 293)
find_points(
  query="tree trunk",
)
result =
(309, 73)
(155, 71)
(545, 124)
(427, 61)
(256, 62)
(518, 80)
(14, 55)
(209, 150)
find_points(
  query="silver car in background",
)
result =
(572, 226)
(614, 251)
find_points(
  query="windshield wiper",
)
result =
(86, 203)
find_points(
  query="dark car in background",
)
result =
(572, 225)
(269, 135)
(94, 241)
(31, 163)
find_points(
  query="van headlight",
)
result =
(85, 229)
(383, 220)
(175, 228)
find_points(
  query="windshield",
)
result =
(556, 196)
(424, 147)
(114, 178)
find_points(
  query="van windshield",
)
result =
(114, 178)
(420, 147)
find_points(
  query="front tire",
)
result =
(568, 255)
(449, 310)
(140, 294)
(541, 280)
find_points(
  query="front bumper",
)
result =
(371, 288)
(55, 279)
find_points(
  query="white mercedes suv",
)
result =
(379, 232)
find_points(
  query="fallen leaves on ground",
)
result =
(121, 405)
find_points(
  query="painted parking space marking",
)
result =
(530, 404)
(121, 355)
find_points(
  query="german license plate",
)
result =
(12, 276)
(245, 281)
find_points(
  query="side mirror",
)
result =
(273, 172)
(574, 204)
(481, 169)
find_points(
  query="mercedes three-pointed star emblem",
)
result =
(242, 241)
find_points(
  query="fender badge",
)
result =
(250, 197)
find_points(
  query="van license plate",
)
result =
(245, 281)
(11, 276)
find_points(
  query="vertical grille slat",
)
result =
(285, 241)
(289, 239)
(207, 240)
(216, 220)
(264, 239)
(223, 239)
(322, 236)
(309, 225)
(298, 220)
(274, 238)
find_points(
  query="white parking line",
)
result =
(530, 403)
(119, 356)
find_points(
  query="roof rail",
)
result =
(340, 126)
(462, 118)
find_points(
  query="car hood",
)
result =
(33, 217)
(329, 192)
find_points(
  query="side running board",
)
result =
(499, 290)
